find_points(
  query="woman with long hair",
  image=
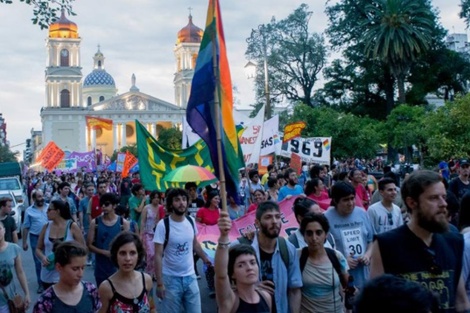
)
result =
(259, 196)
(324, 271)
(315, 190)
(70, 294)
(209, 213)
(60, 227)
(10, 260)
(237, 265)
(149, 220)
(127, 290)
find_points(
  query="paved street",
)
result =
(208, 304)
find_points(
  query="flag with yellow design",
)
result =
(156, 160)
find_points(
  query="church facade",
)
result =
(70, 98)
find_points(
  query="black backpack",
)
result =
(331, 256)
(166, 222)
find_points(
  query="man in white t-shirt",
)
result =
(174, 265)
(385, 215)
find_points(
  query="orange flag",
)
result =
(51, 156)
(95, 122)
(293, 130)
(129, 162)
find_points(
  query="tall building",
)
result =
(69, 98)
(457, 42)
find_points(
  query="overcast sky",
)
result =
(138, 37)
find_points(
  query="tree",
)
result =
(465, 11)
(46, 11)
(170, 138)
(348, 131)
(295, 57)
(6, 155)
(397, 32)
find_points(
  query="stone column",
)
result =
(152, 129)
(93, 138)
(123, 134)
(115, 136)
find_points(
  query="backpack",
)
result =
(331, 256)
(166, 222)
(282, 248)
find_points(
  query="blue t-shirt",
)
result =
(352, 234)
(287, 191)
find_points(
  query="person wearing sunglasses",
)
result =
(103, 230)
(424, 250)
(385, 215)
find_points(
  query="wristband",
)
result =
(223, 245)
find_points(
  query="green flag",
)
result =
(155, 160)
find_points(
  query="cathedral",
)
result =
(70, 97)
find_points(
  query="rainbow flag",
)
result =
(211, 77)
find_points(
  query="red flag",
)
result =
(129, 162)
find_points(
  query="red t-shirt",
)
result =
(95, 207)
(207, 216)
(323, 200)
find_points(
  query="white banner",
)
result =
(313, 150)
(270, 136)
(251, 138)
(67, 165)
(190, 137)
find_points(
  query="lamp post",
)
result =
(250, 68)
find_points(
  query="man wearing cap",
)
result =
(461, 185)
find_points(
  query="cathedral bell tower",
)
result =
(63, 70)
(186, 49)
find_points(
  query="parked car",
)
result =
(16, 209)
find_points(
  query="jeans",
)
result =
(181, 291)
(33, 242)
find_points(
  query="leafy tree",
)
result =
(6, 155)
(405, 124)
(294, 56)
(397, 33)
(46, 11)
(347, 130)
(170, 138)
(465, 11)
(447, 130)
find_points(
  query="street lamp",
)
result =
(250, 68)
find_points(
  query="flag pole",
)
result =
(218, 124)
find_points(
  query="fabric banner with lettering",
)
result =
(209, 235)
(51, 156)
(85, 160)
(155, 161)
(313, 150)
(129, 162)
(271, 140)
(251, 138)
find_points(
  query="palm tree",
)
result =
(397, 33)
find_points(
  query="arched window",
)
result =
(64, 57)
(101, 98)
(99, 64)
(88, 101)
(65, 98)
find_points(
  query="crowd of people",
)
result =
(353, 230)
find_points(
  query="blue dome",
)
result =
(99, 78)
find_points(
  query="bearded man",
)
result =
(424, 250)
